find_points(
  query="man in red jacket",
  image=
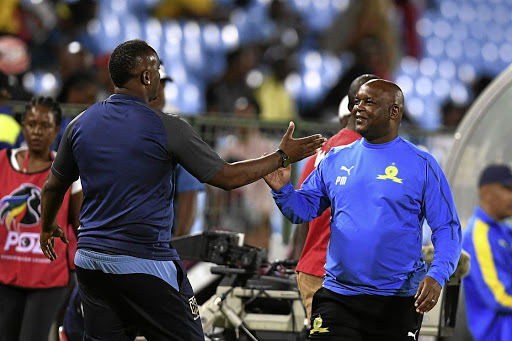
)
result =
(310, 269)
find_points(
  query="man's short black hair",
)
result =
(125, 60)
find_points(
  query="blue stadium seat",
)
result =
(319, 14)
(406, 83)
(153, 33)
(211, 37)
(41, 83)
(461, 39)
(191, 99)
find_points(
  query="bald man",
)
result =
(380, 189)
(312, 238)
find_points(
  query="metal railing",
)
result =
(246, 204)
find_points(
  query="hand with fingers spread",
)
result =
(47, 241)
(427, 295)
(300, 148)
(236, 174)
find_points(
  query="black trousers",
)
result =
(363, 317)
(118, 307)
(28, 314)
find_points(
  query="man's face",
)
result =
(500, 198)
(159, 101)
(372, 112)
(153, 64)
(40, 128)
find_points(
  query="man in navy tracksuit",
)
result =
(380, 189)
(129, 275)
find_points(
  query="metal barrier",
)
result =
(250, 209)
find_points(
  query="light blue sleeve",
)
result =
(441, 215)
(306, 203)
(186, 182)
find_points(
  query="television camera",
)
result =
(259, 301)
(255, 300)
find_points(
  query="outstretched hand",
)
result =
(427, 295)
(279, 177)
(47, 242)
(300, 148)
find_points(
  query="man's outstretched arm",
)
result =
(237, 174)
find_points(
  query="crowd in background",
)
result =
(54, 47)
(47, 48)
(50, 47)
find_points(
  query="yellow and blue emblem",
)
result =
(391, 173)
(317, 326)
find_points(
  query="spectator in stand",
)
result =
(246, 209)
(194, 9)
(440, 144)
(222, 94)
(314, 236)
(74, 16)
(488, 240)
(393, 22)
(275, 101)
(80, 87)
(105, 85)
(287, 27)
(74, 58)
(11, 134)
(364, 18)
(31, 288)
(370, 57)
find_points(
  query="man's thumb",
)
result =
(289, 131)
(64, 239)
(62, 235)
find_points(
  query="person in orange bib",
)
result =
(29, 285)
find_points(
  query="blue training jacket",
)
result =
(380, 195)
(488, 286)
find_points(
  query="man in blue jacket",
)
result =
(380, 188)
(488, 240)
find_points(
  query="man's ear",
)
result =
(394, 112)
(145, 77)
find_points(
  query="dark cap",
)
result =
(496, 174)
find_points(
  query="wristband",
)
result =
(285, 160)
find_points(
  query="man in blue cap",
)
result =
(488, 240)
